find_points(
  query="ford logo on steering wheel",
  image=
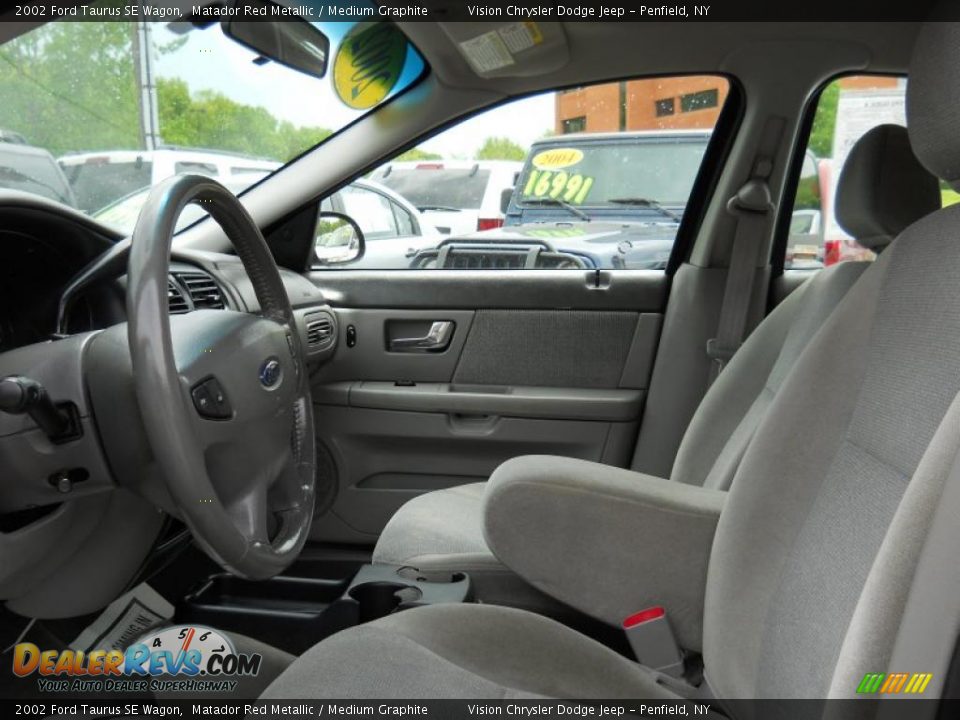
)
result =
(270, 373)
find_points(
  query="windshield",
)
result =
(120, 106)
(438, 188)
(642, 172)
(97, 184)
(30, 170)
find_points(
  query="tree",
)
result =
(53, 82)
(500, 148)
(72, 86)
(825, 122)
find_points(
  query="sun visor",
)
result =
(510, 49)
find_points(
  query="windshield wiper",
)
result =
(558, 203)
(646, 203)
(13, 175)
(438, 208)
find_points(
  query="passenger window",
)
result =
(847, 109)
(594, 177)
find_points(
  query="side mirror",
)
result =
(294, 42)
(338, 239)
(505, 195)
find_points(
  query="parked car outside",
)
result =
(394, 230)
(457, 196)
(33, 169)
(595, 200)
(100, 178)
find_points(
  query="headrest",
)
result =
(933, 99)
(883, 188)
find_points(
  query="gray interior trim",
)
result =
(547, 348)
(369, 359)
(681, 369)
(385, 457)
(643, 350)
(531, 402)
(648, 542)
(493, 289)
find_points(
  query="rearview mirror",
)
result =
(289, 40)
(339, 239)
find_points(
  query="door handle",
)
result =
(436, 340)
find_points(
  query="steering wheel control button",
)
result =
(211, 401)
(271, 373)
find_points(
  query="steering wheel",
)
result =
(224, 395)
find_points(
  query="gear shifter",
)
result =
(20, 395)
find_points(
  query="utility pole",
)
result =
(146, 85)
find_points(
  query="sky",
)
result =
(523, 121)
(210, 61)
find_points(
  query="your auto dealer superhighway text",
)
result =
(581, 11)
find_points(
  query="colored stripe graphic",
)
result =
(871, 683)
(894, 683)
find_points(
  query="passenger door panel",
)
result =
(516, 378)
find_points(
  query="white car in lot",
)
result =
(394, 230)
(457, 196)
(101, 178)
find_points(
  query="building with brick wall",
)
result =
(678, 103)
(691, 102)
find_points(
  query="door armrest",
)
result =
(607, 541)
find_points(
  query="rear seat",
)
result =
(882, 190)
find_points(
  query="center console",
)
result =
(294, 613)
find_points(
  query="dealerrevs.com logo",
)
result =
(181, 658)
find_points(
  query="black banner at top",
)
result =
(480, 11)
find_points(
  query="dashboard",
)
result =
(62, 281)
(45, 246)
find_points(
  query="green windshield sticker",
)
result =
(571, 188)
(368, 64)
(553, 233)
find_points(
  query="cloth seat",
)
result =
(883, 189)
(814, 562)
(457, 651)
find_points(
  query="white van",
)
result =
(100, 178)
(457, 196)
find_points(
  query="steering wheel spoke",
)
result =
(250, 514)
(224, 395)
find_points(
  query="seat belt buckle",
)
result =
(719, 353)
(653, 643)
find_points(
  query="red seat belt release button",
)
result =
(652, 640)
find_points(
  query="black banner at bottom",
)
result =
(892, 709)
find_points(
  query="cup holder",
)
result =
(432, 576)
(378, 599)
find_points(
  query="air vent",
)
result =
(319, 332)
(203, 290)
(176, 300)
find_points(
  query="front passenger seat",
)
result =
(882, 190)
(835, 552)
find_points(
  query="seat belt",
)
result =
(753, 207)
